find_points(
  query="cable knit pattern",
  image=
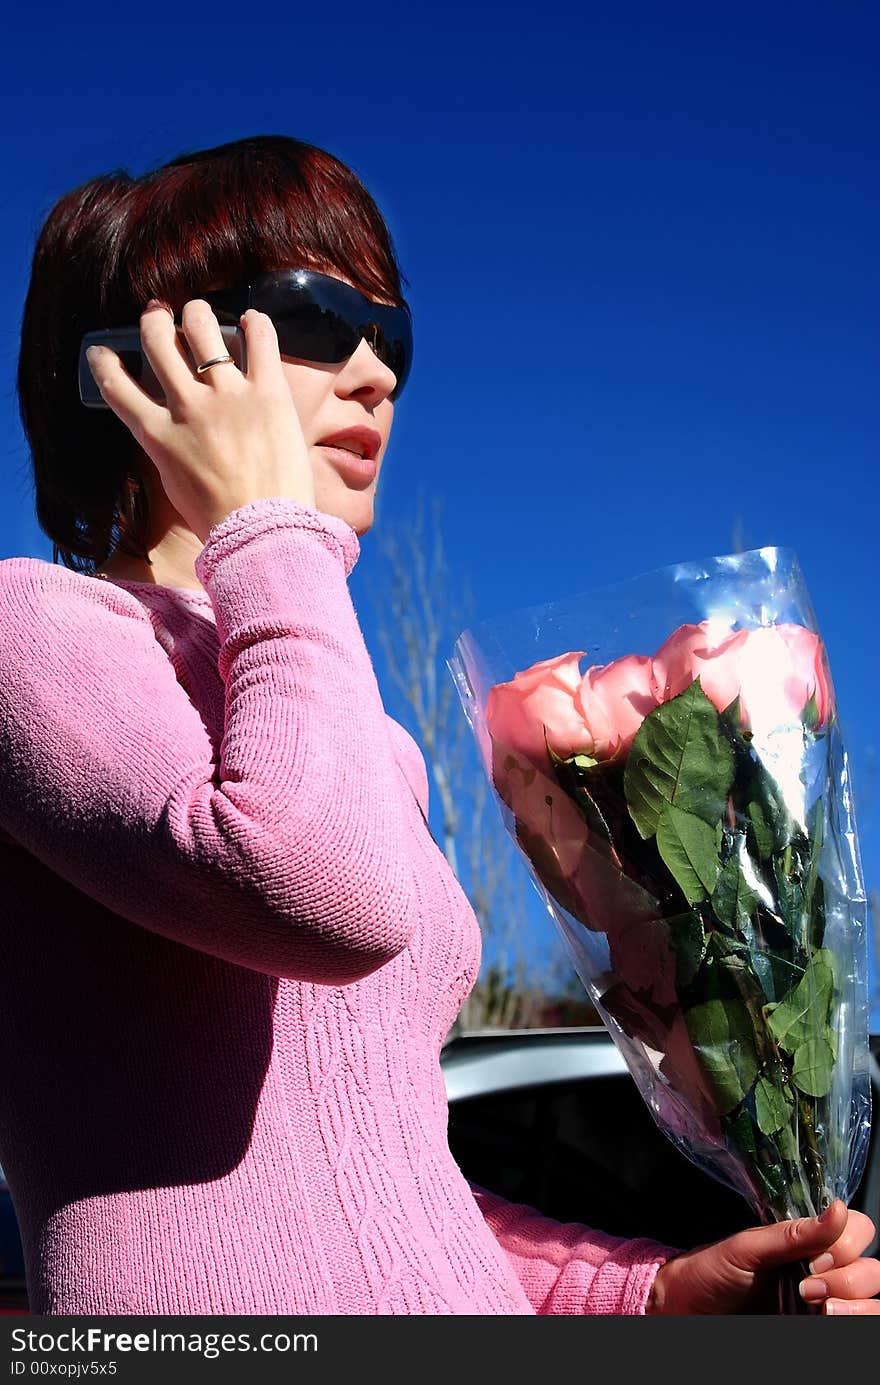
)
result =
(229, 956)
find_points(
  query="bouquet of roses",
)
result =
(686, 815)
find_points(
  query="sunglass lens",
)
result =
(318, 318)
(330, 338)
(393, 354)
(313, 334)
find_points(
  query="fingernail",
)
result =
(826, 1216)
(821, 1263)
(93, 352)
(836, 1306)
(813, 1290)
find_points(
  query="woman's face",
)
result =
(331, 398)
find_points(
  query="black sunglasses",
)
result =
(320, 318)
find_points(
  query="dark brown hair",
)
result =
(212, 217)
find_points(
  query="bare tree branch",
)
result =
(419, 612)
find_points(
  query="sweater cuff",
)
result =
(626, 1277)
(274, 512)
(621, 1284)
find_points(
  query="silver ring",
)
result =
(215, 360)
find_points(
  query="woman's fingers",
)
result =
(860, 1279)
(205, 341)
(263, 353)
(855, 1238)
(857, 1278)
(220, 440)
(857, 1235)
(803, 1238)
(167, 355)
(864, 1307)
(140, 413)
(842, 1272)
(166, 352)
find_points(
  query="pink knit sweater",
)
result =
(229, 954)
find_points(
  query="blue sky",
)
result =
(638, 240)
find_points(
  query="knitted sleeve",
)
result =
(283, 848)
(568, 1268)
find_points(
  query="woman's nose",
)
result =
(371, 369)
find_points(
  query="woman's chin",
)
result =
(354, 506)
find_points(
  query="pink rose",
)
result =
(536, 800)
(775, 671)
(782, 670)
(549, 826)
(613, 700)
(539, 699)
(582, 873)
(693, 651)
(640, 952)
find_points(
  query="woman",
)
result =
(233, 950)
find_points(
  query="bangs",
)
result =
(218, 216)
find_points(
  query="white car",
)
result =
(552, 1118)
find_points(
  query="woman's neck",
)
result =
(155, 574)
(172, 547)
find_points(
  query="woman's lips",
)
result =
(357, 471)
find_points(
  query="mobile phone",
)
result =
(126, 342)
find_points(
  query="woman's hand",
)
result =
(221, 439)
(737, 1275)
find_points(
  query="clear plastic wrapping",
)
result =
(667, 755)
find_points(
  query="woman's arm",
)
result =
(282, 850)
(565, 1267)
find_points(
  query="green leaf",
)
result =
(773, 1106)
(761, 833)
(786, 1143)
(817, 915)
(584, 761)
(723, 1038)
(804, 1014)
(727, 969)
(789, 879)
(764, 962)
(688, 942)
(577, 777)
(687, 846)
(680, 757)
(815, 888)
(761, 1158)
(733, 716)
(732, 900)
(767, 795)
(741, 1131)
(817, 834)
(813, 1063)
(810, 714)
